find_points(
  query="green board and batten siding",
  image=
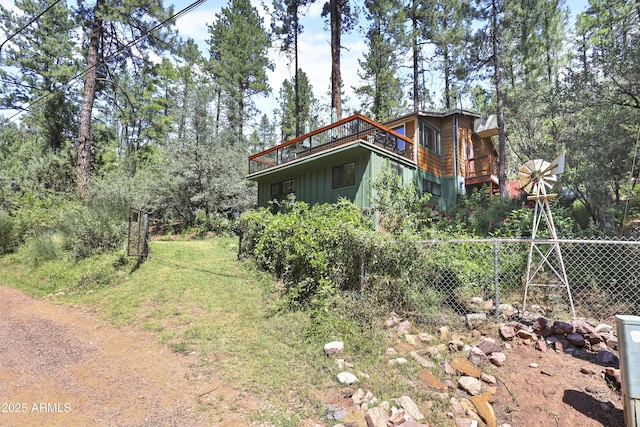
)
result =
(312, 178)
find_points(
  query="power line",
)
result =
(113, 55)
(29, 23)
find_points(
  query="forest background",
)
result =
(107, 104)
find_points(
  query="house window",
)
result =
(343, 175)
(279, 189)
(430, 187)
(430, 138)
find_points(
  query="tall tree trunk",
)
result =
(447, 70)
(86, 108)
(335, 7)
(296, 77)
(416, 53)
(502, 151)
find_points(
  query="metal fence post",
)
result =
(496, 276)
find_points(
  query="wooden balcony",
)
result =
(356, 128)
(481, 170)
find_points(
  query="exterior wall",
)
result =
(312, 181)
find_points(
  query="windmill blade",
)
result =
(551, 178)
(529, 186)
(523, 178)
(557, 164)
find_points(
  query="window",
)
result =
(279, 189)
(397, 168)
(343, 176)
(430, 187)
(429, 138)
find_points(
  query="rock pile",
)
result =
(470, 407)
(598, 342)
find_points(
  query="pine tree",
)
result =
(40, 61)
(382, 95)
(239, 61)
(305, 113)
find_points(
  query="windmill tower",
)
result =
(535, 177)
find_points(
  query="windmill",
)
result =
(536, 177)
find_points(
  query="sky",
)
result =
(314, 50)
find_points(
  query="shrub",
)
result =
(43, 248)
(97, 227)
(8, 238)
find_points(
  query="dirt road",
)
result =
(62, 366)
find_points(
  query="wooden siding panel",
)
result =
(429, 161)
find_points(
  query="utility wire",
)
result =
(29, 23)
(113, 55)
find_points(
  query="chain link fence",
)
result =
(490, 276)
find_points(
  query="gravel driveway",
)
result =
(62, 366)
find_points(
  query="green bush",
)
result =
(97, 227)
(8, 238)
(43, 248)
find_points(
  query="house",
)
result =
(442, 153)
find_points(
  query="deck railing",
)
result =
(345, 131)
(483, 166)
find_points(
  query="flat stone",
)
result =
(430, 380)
(448, 369)
(489, 379)
(576, 339)
(358, 397)
(541, 345)
(477, 356)
(539, 324)
(376, 417)
(333, 348)
(498, 359)
(583, 328)
(603, 327)
(347, 378)
(475, 319)
(607, 358)
(425, 363)
(525, 334)
(484, 408)
(561, 345)
(471, 385)
(398, 417)
(335, 412)
(456, 407)
(488, 347)
(562, 328)
(398, 361)
(410, 408)
(470, 410)
(412, 340)
(466, 367)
